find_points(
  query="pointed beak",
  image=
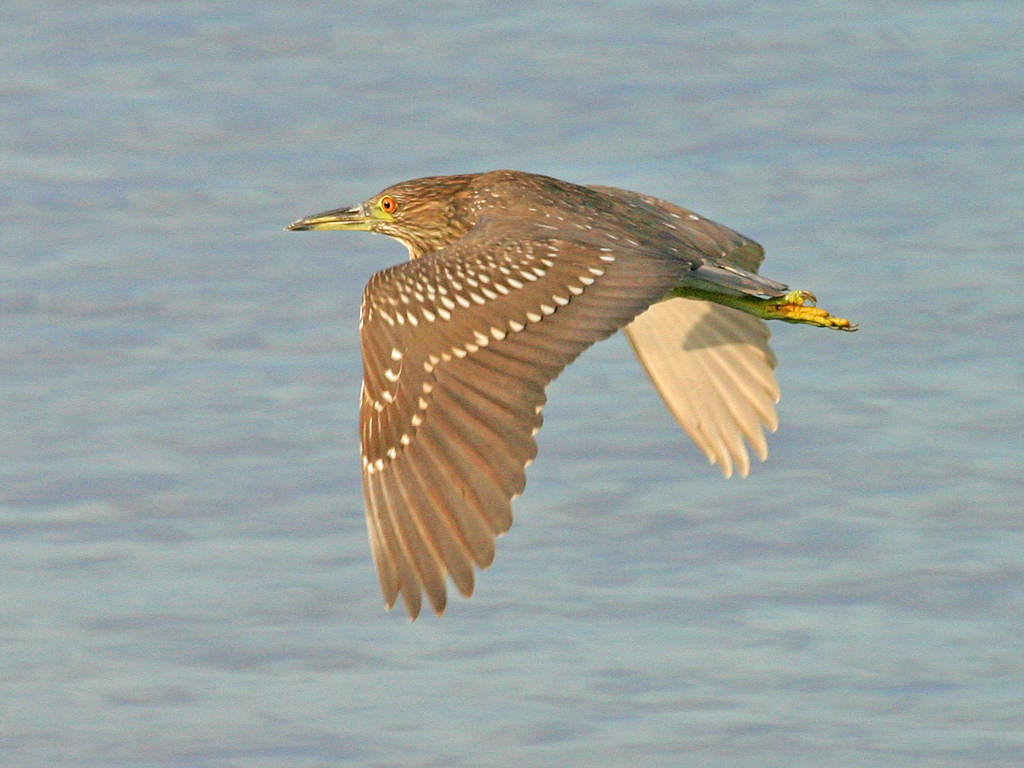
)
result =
(355, 218)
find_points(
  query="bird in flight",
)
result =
(511, 275)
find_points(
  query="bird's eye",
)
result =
(388, 204)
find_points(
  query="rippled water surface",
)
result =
(185, 575)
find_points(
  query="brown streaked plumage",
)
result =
(511, 276)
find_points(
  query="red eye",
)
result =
(388, 204)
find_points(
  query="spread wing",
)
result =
(458, 347)
(712, 365)
(714, 369)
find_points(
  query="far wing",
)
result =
(712, 365)
(714, 369)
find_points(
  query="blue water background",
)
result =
(184, 574)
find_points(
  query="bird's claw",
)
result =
(799, 307)
(794, 307)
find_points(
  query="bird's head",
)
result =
(425, 214)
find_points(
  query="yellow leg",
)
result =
(794, 307)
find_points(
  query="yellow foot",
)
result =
(794, 307)
(799, 307)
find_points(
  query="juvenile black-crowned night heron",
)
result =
(511, 276)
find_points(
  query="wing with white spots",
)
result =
(714, 368)
(458, 347)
